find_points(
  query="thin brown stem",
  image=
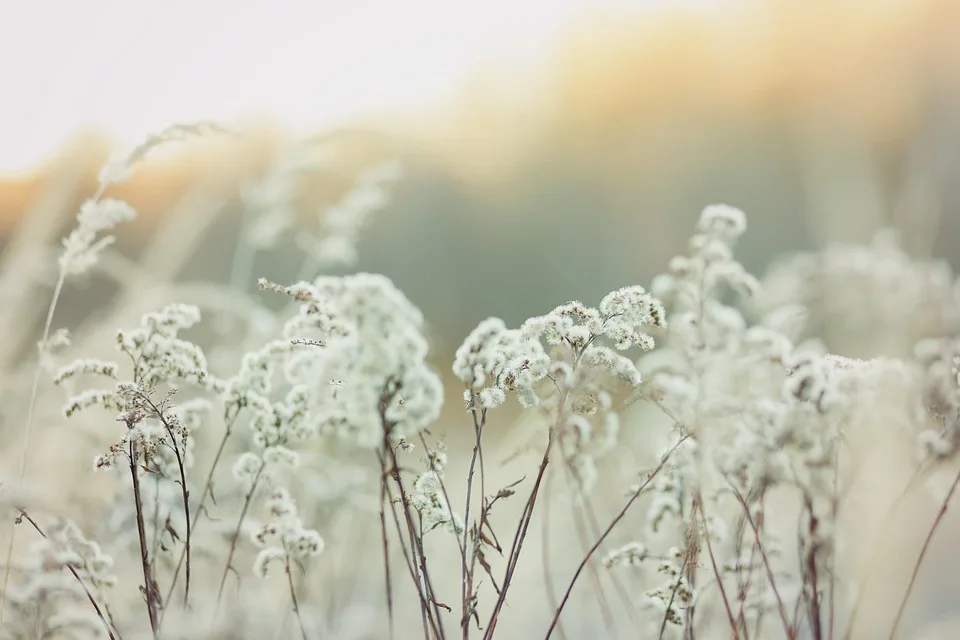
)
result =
(781, 608)
(28, 429)
(293, 600)
(412, 567)
(236, 533)
(888, 517)
(518, 540)
(923, 554)
(207, 487)
(673, 597)
(150, 587)
(580, 527)
(716, 571)
(386, 554)
(545, 558)
(616, 520)
(428, 598)
(93, 602)
(466, 577)
(812, 573)
(184, 491)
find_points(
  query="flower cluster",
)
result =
(82, 247)
(759, 411)
(61, 573)
(494, 360)
(939, 363)
(575, 347)
(284, 538)
(372, 380)
(869, 296)
(429, 497)
(158, 356)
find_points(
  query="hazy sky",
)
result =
(132, 67)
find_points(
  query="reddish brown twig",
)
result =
(606, 533)
(923, 554)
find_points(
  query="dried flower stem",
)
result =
(207, 488)
(781, 609)
(28, 429)
(548, 584)
(923, 553)
(184, 491)
(93, 602)
(412, 567)
(580, 521)
(466, 581)
(150, 588)
(427, 594)
(812, 579)
(236, 533)
(673, 597)
(848, 633)
(518, 540)
(606, 533)
(388, 583)
(716, 572)
(293, 599)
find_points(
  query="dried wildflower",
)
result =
(285, 530)
(56, 580)
(429, 501)
(376, 353)
(632, 555)
(84, 244)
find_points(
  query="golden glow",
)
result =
(129, 68)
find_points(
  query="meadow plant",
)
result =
(222, 513)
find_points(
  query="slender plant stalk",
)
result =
(184, 493)
(816, 624)
(416, 543)
(293, 600)
(207, 488)
(518, 540)
(466, 577)
(388, 583)
(623, 512)
(781, 609)
(428, 603)
(716, 572)
(412, 566)
(93, 601)
(581, 526)
(627, 600)
(236, 533)
(150, 588)
(673, 597)
(923, 554)
(545, 560)
(28, 429)
(888, 517)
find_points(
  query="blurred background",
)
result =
(551, 150)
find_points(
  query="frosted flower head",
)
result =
(284, 538)
(494, 359)
(722, 221)
(430, 502)
(82, 247)
(364, 372)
